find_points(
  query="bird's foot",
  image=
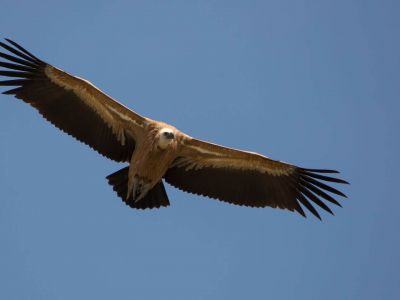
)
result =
(139, 188)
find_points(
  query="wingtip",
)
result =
(20, 51)
(305, 216)
(300, 211)
(330, 171)
(10, 41)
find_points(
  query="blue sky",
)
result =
(314, 83)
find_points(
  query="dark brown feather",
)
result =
(253, 188)
(16, 67)
(18, 53)
(18, 60)
(17, 74)
(309, 206)
(242, 187)
(325, 178)
(323, 185)
(61, 107)
(23, 49)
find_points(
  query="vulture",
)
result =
(156, 152)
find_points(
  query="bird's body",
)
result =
(156, 151)
(153, 157)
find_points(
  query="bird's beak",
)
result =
(170, 135)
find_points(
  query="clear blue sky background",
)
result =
(315, 83)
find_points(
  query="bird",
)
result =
(156, 152)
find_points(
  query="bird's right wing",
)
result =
(72, 104)
(249, 179)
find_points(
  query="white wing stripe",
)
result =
(204, 151)
(122, 116)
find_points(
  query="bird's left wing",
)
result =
(72, 104)
(249, 179)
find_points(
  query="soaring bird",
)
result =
(156, 151)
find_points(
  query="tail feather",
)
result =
(155, 198)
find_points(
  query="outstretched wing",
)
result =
(249, 179)
(72, 104)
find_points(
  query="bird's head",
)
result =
(165, 137)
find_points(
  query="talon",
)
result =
(134, 188)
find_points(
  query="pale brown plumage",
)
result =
(157, 151)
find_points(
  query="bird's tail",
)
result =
(155, 198)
